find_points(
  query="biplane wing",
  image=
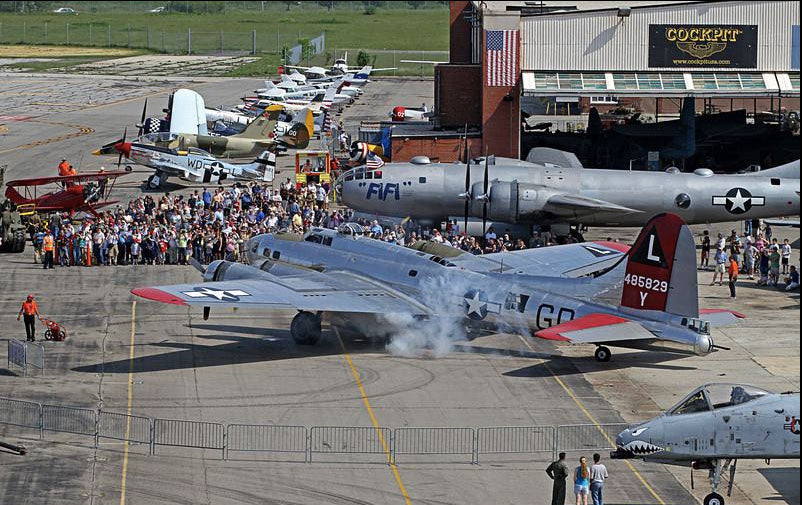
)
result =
(61, 179)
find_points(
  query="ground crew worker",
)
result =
(71, 171)
(29, 310)
(49, 247)
(63, 167)
(558, 472)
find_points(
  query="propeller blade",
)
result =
(197, 265)
(486, 198)
(206, 311)
(467, 182)
(142, 119)
(119, 159)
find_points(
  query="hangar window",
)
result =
(625, 81)
(704, 81)
(604, 99)
(754, 81)
(673, 81)
(794, 78)
(546, 81)
(728, 81)
(594, 81)
(649, 81)
(570, 81)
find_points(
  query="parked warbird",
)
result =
(553, 188)
(715, 426)
(379, 289)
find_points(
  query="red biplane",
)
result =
(79, 193)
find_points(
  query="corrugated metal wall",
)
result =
(603, 41)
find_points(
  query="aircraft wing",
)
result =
(568, 204)
(188, 113)
(569, 260)
(41, 181)
(311, 291)
(720, 317)
(596, 328)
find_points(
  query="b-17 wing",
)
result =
(309, 291)
(596, 328)
(569, 260)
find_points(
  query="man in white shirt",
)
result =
(598, 474)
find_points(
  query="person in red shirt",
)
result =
(732, 270)
(30, 310)
(63, 168)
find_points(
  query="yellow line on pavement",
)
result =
(130, 402)
(382, 441)
(595, 423)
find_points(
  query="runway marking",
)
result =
(130, 402)
(595, 423)
(366, 402)
(82, 130)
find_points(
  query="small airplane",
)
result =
(421, 113)
(328, 98)
(256, 137)
(553, 188)
(85, 192)
(191, 164)
(359, 150)
(375, 288)
(713, 427)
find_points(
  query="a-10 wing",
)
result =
(310, 291)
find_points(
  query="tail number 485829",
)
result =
(645, 282)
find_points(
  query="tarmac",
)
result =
(149, 359)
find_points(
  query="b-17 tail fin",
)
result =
(661, 269)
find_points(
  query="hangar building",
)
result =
(565, 57)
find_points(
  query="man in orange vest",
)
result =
(63, 168)
(49, 247)
(29, 310)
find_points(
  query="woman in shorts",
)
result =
(582, 482)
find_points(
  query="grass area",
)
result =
(43, 66)
(400, 29)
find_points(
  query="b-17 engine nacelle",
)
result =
(511, 201)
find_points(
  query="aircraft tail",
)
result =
(297, 136)
(661, 269)
(306, 117)
(15, 196)
(267, 163)
(328, 96)
(363, 73)
(286, 79)
(260, 129)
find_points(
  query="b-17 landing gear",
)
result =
(305, 328)
(603, 354)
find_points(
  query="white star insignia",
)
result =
(475, 305)
(219, 294)
(738, 201)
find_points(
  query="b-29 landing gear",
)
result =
(305, 328)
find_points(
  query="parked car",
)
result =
(158, 9)
(65, 10)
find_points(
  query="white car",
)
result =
(158, 9)
(65, 10)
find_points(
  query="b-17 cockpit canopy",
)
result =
(716, 396)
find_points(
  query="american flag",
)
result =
(373, 162)
(501, 57)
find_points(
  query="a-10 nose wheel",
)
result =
(603, 354)
(305, 328)
(714, 499)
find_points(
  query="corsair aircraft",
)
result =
(715, 426)
(565, 293)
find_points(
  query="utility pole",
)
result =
(189, 40)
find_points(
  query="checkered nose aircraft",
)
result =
(599, 293)
(713, 427)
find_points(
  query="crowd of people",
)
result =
(761, 257)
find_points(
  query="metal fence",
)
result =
(26, 355)
(362, 442)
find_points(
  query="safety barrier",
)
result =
(196, 434)
(266, 438)
(515, 440)
(26, 355)
(349, 440)
(128, 428)
(69, 420)
(20, 413)
(439, 442)
(588, 437)
(434, 441)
